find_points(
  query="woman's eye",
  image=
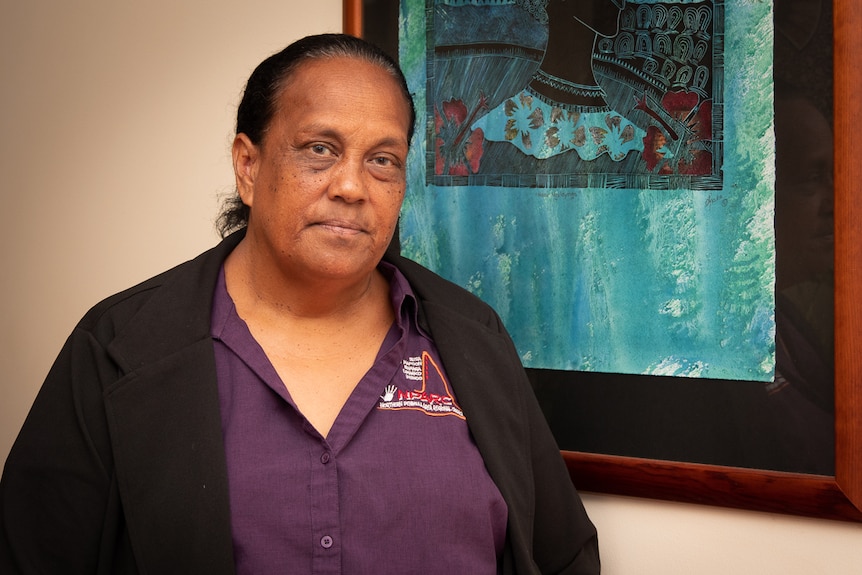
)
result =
(388, 161)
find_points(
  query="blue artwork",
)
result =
(602, 173)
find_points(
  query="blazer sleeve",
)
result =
(59, 505)
(565, 541)
(561, 522)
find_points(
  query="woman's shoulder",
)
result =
(435, 291)
(187, 285)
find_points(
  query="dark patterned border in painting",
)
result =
(658, 49)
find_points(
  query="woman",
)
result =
(292, 401)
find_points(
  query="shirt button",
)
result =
(325, 458)
(326, 541)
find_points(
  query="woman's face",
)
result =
(326, 184)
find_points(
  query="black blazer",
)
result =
(120, 465)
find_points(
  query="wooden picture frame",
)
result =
(831, 497)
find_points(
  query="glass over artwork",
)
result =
(602, 172)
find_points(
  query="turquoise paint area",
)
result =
(671, 282)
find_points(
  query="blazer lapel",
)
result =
(170, 464)
(481, 372)
(165, 426)
(489, 382)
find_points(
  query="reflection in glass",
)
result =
(802, 392)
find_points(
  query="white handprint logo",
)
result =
(389, 393)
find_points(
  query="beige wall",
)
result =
(116, 121)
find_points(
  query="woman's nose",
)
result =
(349, 181)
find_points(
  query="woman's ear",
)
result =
(246, 158)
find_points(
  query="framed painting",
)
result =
(722, 441)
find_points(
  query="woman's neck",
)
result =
(264, 290)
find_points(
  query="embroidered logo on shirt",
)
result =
(433, 397)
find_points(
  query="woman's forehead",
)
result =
(340, 95)
(342, 80)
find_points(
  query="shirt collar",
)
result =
(401, 295)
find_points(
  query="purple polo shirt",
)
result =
(397, 486)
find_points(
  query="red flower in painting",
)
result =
(655, 151)
(681, 142)
(457, 149)
(700, 127)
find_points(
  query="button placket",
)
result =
(325, 515)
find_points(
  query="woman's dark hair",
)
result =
(258, 104)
